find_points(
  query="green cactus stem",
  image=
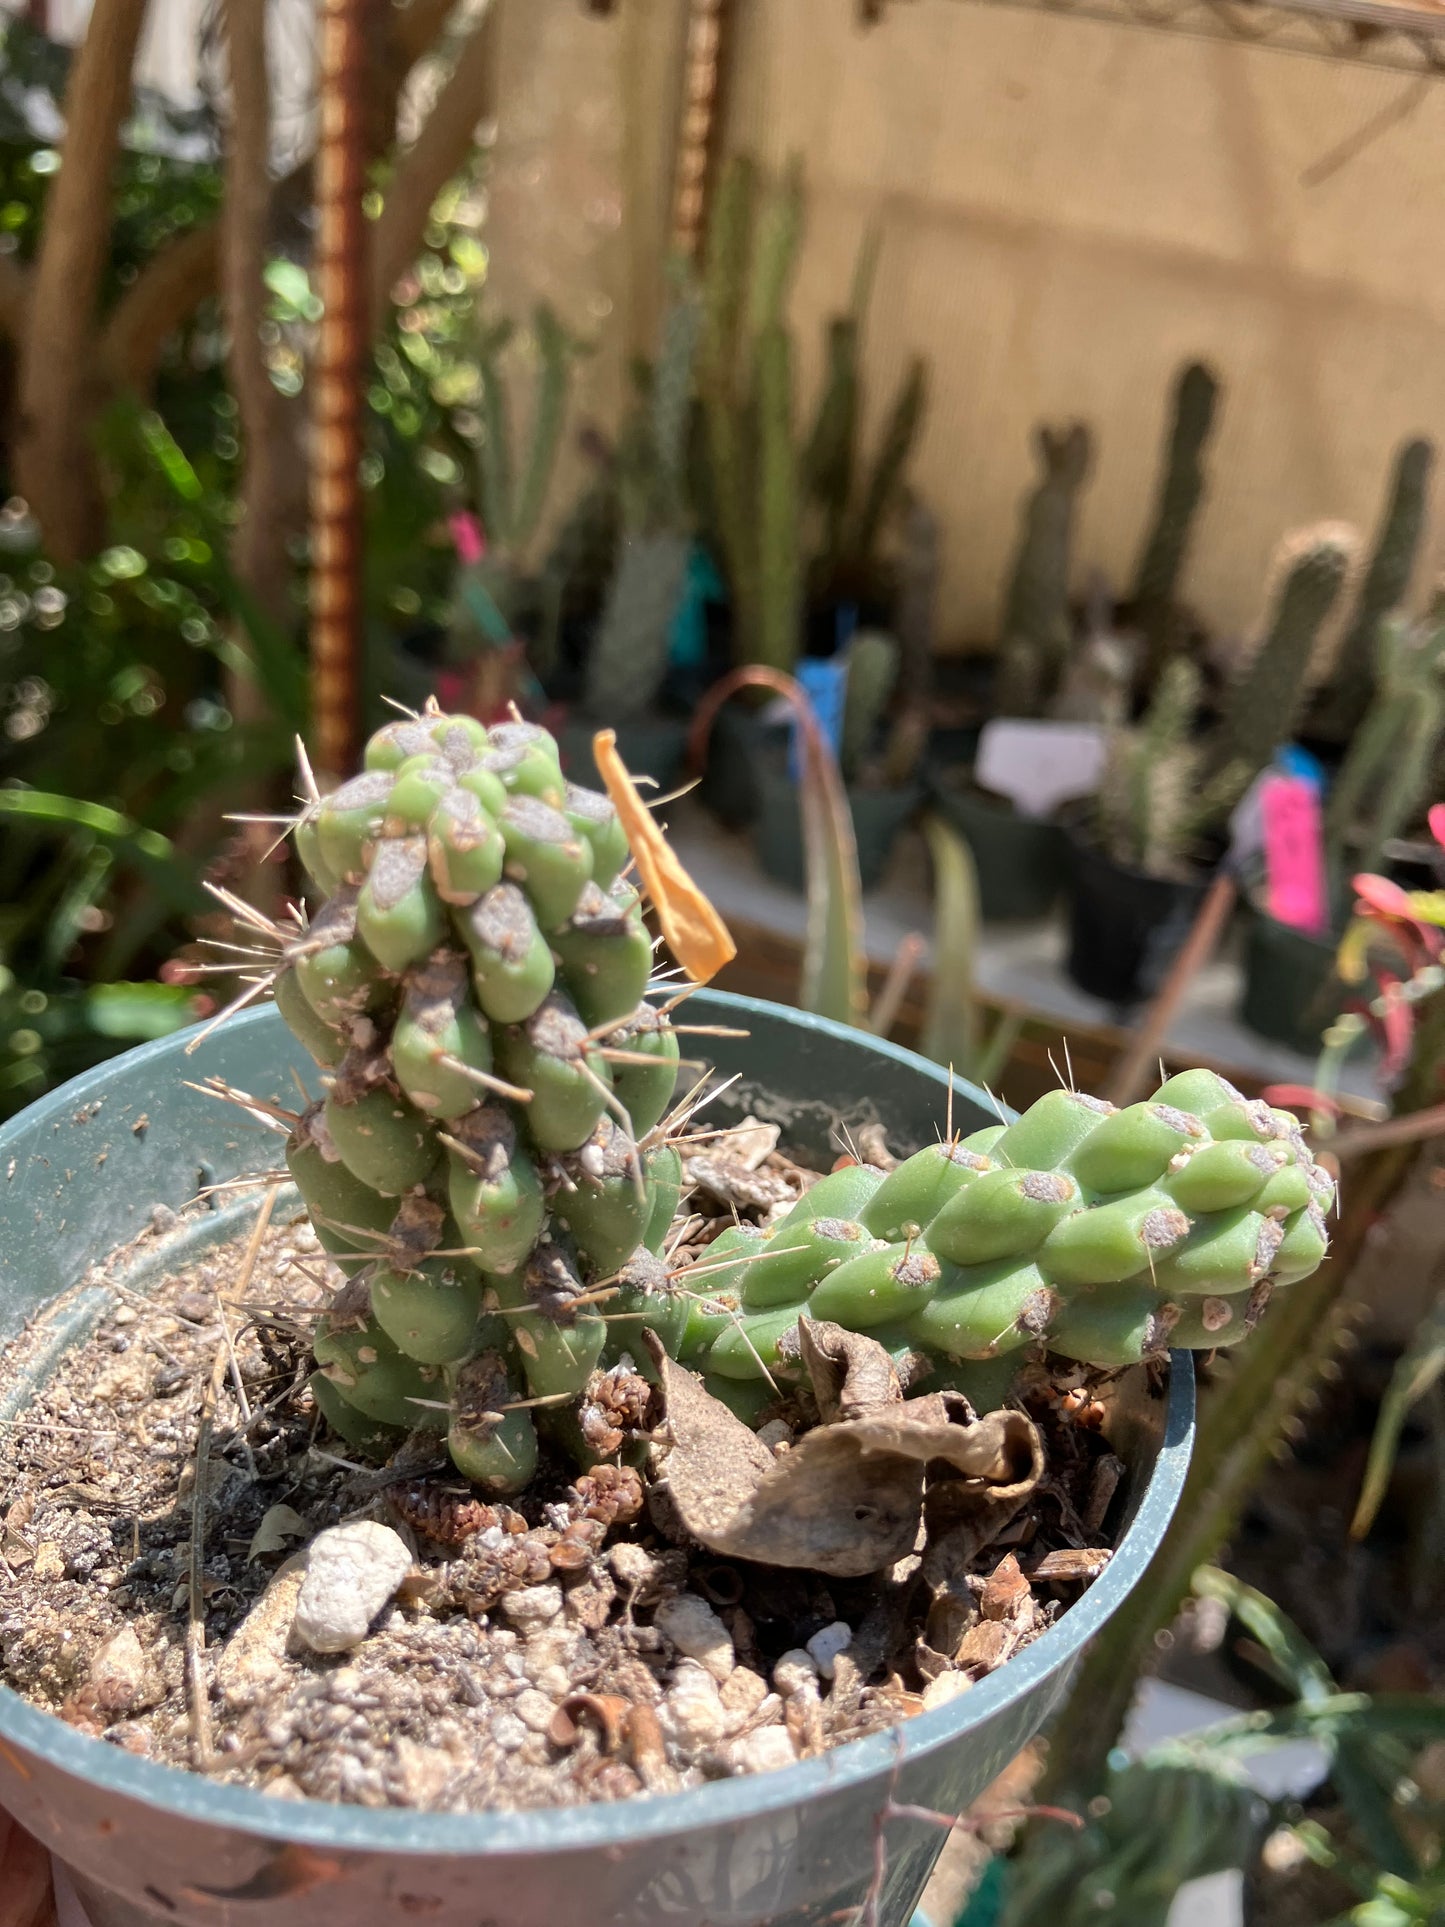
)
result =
(1180, 491)
(491, 1165)
(1034, 639)
(1271, 687)
(1384, 588)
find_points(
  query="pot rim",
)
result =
(497, 1833)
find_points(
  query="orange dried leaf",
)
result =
(695, 933)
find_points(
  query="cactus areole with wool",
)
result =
(491, 1163)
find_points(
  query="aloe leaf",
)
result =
(1420, 1367)
(148, 850)
(950, 1029)
(835, 976)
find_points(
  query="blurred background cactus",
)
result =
(1037, 625)
(1156, 593)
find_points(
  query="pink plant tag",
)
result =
(470, 543)
(1294, 855)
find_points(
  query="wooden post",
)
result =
(337, 375)
(696, 144)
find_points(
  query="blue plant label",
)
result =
(825, 684)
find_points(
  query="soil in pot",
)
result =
(878, 816)
(558, 1649)
(1020, 860)
(1125, 926)
(1291, 992)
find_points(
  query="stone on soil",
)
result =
(352, 1572)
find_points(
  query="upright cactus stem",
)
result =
(491, 1161)
(1181, 489)
(1271, 688)
(1036, 620)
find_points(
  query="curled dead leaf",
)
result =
(847, 1499)
(850, 1372)
(279, 1524)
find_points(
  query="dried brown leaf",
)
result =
(848, 1498)
(850, 1372)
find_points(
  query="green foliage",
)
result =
(1186, 1809)
(1417, 1371)
(951, 1032)
(1386, 776)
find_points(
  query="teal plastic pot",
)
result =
(1020, 860)
(878, 816)
(150, 1846)
(1291, 992)
(652, 746)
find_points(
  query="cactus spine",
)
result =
(1384, 588)
(1271, 686)
(1036, 622)
(487, 1165)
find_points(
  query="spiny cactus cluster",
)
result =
(1107, 1234)
(491, 1162)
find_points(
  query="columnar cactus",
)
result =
(491, 1166)
(1036, 620)
(1181, 489)
(1272, 684)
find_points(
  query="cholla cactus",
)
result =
(491, 1160)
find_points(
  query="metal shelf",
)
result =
(1406, 39)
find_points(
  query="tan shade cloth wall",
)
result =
(1070, 210)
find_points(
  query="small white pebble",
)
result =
(508, 1732)
(743, 1691)
(122, 1315)
(826, 1645)
(352, 1572)
(533, 1605)
(534, 1709)
(691, 1713)
(948, 1686)
(632, 1566)
(795, 1672)
(697, 1632)
(776, 1435)
(762, 1751)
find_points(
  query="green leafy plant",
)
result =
(1186, 1809)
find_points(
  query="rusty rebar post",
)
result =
(336, 390)
(697, 132)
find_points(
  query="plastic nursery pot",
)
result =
(652, 746)
(731, 786)
(151, 1846)
(1020, 860)
(878, 816)
(1291, 992)
(1124, 926)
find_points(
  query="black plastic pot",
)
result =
(731, 786)
(878, 816)
(150, 1846)
(1291, 992)
(1124, 926)
(652, 746)
(1020, 860)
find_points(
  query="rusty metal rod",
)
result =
(338, 371)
